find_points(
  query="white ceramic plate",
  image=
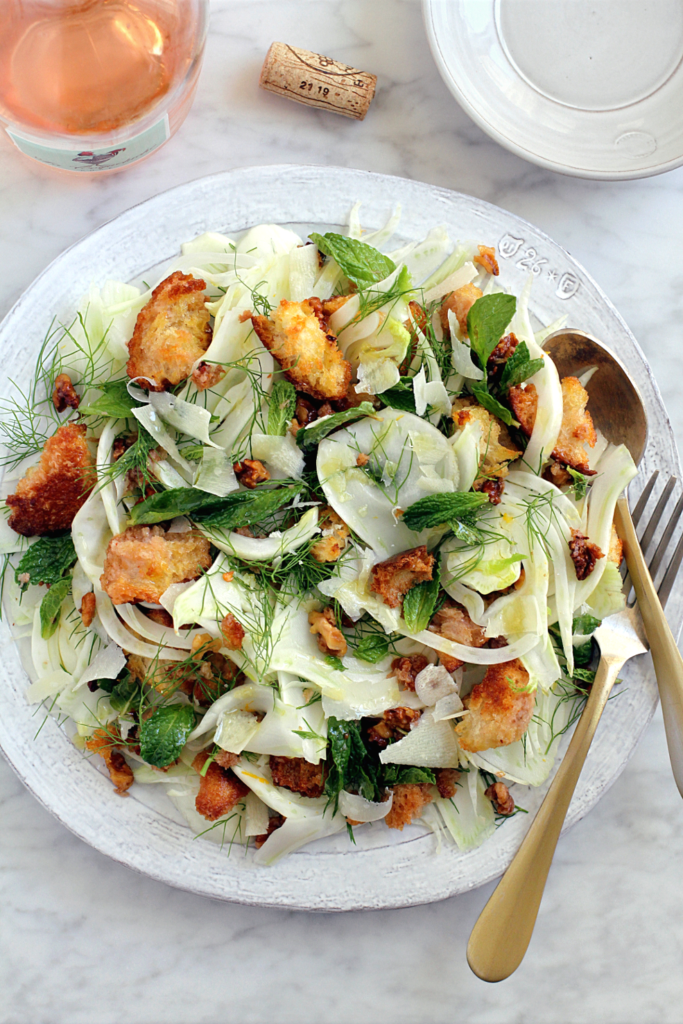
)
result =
(387, 869)
(588, 88)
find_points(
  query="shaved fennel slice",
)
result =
(542, 665)
(107, 488)
(157, 634)
(382, 235)
(356, 807)
(388, 438)
(469, 815)
(421, 259)
(284, 801)
(249, 696)
(268, 240)
(465, 274)
(264, 549)
(429, 744)
(282, 453)
(462, 354)
(224, 831)
(117, 632)
(430, 393)
(151, 422)
(465, 445)
(295, 834)
(187, 417)
(106, 664)
(303, 270)
(215, 474)
(91, 534)
(548, 388)
(256, 816)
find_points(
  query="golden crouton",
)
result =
(453, 622)
(616, 547)
(336, 533)
(495, 447)
(487, 259)
(143, 561)
(297, 774)
(460, 302)
(232, 631)
(51, 493)
(171, 333)
(296, 333)
(106, 745)
(500, 708)
(410, 799)
(219, 789)
(393, 578)
(331, 640)
(577, 424)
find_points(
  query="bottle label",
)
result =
(105, 159)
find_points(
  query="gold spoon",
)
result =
(502, 933)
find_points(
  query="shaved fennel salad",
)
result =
(311, 534)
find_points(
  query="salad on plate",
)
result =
(312, 535)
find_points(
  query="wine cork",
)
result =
(317, 81)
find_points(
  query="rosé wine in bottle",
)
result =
(96, 85)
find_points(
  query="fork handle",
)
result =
(666, 657)
(500, 937)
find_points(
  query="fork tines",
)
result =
(654, 556)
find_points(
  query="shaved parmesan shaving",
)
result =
(186, 417)
(215, 474)
(358, 808)
(282, 453)
(106, 664)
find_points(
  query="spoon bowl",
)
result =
(615, 403)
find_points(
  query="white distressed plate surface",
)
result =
(592, 89)
(386, 869)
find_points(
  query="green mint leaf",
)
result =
(406, 774)
(482, 395)
(115, 401)
(486, 323)
(310, 436)
(46, 561)
(349, 764)
(372, 649)
(51, 606)
(585, 625)
(583, 653)
(439, 509)
(401, 396)
(361, 263)
(334, 662)
(580, 484)
(584, 676)
(519, 367)
(241, 508)
(420, 601)
(281, 408)
(164, 734)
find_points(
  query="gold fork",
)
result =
(502, 933)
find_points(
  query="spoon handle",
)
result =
(500, 937)
(666, 657)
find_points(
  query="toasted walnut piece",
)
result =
(395, 723)
(306, 350)
(244, 531)
(407, 669)
(107, 745)
(454, 622)
(503, 350)
(143, 561)
(275, 821)
(556, 474)
(496, 448)
(459, 302)
(64, 395)
(584, 554)
(299, 775)
(207, 375)
(362, 459)
(171, 333)
(494, 488)
(487, 259)
(393, 578)
(355, 398)
(251, 472)
(219, 790)
(447, 782)
(577, 424)
(499, 795)
(500, 708)
(330, 638)
(49, 496)
(88, 608)
(305, 412)
(335, 536)
(409, 801)
(233, 632)
(225, 759)
(616, 547)
(160, 616)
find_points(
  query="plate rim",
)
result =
(452, 83)
(432, 191)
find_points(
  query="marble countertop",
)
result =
(85, 940)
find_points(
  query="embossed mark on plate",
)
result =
(530, 259)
